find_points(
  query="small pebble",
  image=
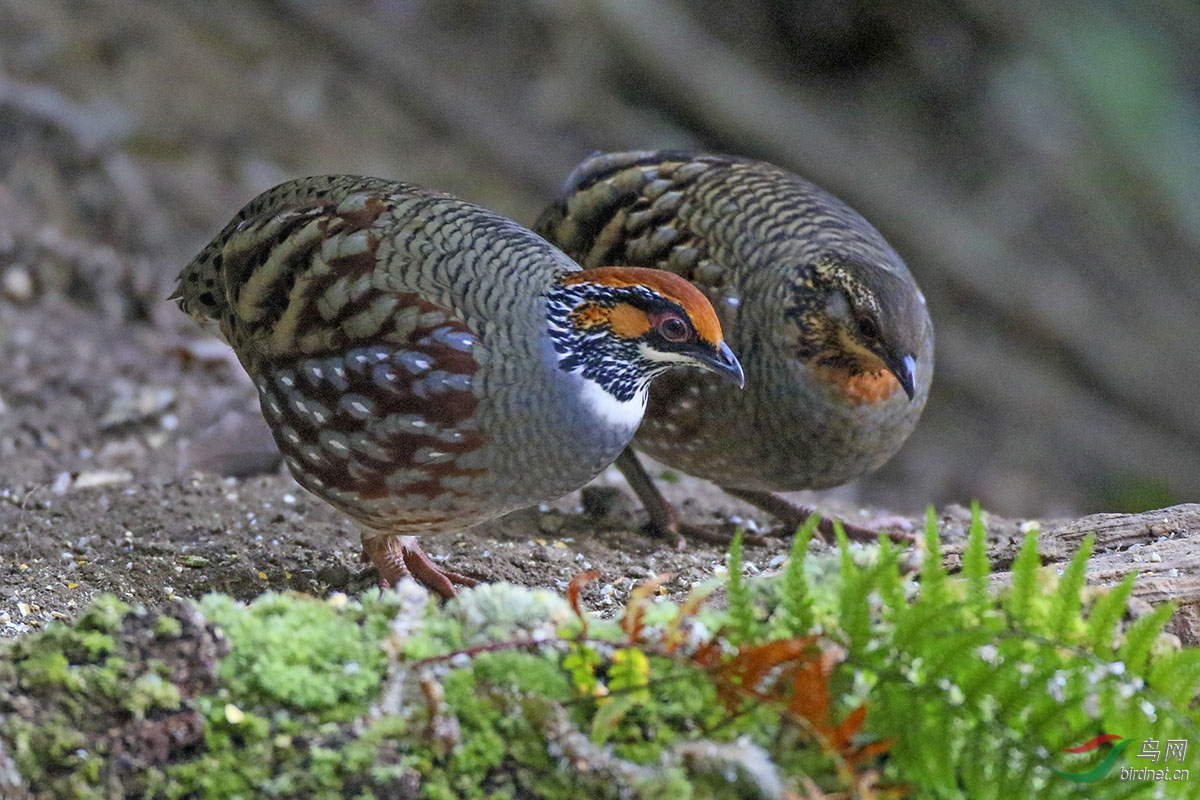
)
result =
(17, 284)
(102, 477)
(62, 482)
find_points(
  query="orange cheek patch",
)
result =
(590, 315)
(863, 388)
(627, 321)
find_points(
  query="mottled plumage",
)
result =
(828, 322)
(426, 364)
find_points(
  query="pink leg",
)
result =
(398, 556)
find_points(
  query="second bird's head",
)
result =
(863, 326)
(620, 327)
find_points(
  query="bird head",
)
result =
(861, 326)
(622, 326)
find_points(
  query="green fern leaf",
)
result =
(1106, 613)
(741, 608)
(975, 561)
(1024, 580)
(797, 599)
(855, 619)
(933, 574)
(1176, 676)
(889, 584)
(1140, 636)
(1068, 600)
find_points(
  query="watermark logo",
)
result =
(1104, 767)
(1151, 750)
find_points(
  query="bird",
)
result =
(425, 364)
(831, 328)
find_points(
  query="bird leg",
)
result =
(665, 523)
(664, 520)
(397, 556)
(792, 516)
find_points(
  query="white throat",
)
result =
(621, 414)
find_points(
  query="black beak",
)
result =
(724, 363)
(905, 370)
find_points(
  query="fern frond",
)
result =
(1068, 600)
(933, 572)
(797, 599)
(975, 561)
(889, 584)
(855, 607)
(1176, 676)
(1019, 603)
(745, 627)
(1140, 636)
(1106, 613)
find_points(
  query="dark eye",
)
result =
(868, 328)
(673, 329)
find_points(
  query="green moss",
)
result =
(166, 626)
(306, 656)
(47, 668)
(151, 692)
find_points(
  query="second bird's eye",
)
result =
(673, 329)
(869, 328)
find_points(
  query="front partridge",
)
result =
(830, 326)
(425, 364)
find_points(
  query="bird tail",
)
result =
(201, 292)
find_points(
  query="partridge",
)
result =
(425, 364)
(829, 324)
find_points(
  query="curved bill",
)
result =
(723, 362)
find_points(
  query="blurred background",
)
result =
(1036, 164)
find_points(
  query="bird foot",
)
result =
(721, 535)
(398, 556)
(791, 516)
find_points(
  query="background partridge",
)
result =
(830, 326)
(425, 364)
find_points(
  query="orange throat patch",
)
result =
(860, 388)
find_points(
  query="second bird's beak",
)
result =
(724, 363)
(905, 371)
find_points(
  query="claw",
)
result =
(398, 556)
(792, 516)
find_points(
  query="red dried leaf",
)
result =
(708, 654)
(851, 726)
(639, 599)
(574, 588)
(809, 696)
(751, 663)
(793, 675)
